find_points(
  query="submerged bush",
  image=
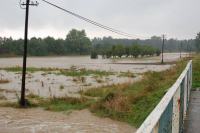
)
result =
(94, 55)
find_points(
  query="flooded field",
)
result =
(95, 64)
(53, 85)
(47, 84)
(50, 84)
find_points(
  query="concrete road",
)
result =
(192, 123)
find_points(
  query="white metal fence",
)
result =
(168, 115)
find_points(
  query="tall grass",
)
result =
(196, 71)
(67, 72)
(84, 72)
(133, 102)
(29, 69)
(52, 104)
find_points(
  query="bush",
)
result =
(94, 55)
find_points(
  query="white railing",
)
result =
(168, 115)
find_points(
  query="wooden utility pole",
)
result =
(189, 49)
(181, 50)
(23, 86)
(163, 43)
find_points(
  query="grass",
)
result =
(127, 74)
(67, 72)
(84, 72)
(61, 87)
(29, 69)
(2, 97)
(132, 103)
(196, 71)
(64, 104)
(53, 104)
(98, 79)
(80, 79)
(103, 91)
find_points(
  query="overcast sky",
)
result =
(142, 18)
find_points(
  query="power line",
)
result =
(91, 21)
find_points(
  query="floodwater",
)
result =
(122, 65)
(53, 85)
(40, 121)
(49, 85)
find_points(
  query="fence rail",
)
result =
(168, 115)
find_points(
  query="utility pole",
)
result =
(181, 50)
(189, 49)
(163, 43)
(23, 86)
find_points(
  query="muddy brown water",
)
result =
(40, 121)
(52, 85)
(97, 64)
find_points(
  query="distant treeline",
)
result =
(171, 45)
(77, 43)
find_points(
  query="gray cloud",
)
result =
(176, 18)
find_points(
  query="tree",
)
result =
(197, 42)
(108, 53)
(127, 51)
(172, 45)
(144, 50)
(93, 55)
(135, 50)
(158, 52)
(78, 41)
(51, 45)
(118, 50)
(36, 47)
(113, 53)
